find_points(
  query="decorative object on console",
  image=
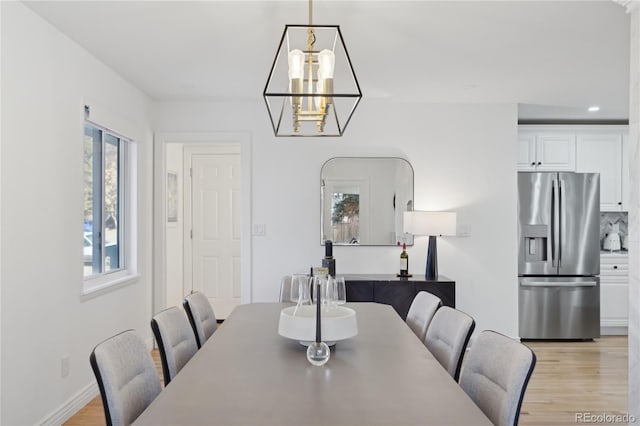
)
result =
(300, 93)
(432, 224)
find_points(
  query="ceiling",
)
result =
(554, 58)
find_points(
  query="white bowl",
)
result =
(337, 323)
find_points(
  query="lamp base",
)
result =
(431, 273)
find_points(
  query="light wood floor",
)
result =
(576, 377)
(569, 378)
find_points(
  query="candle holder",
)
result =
(318, 352)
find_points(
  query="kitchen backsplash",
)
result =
(608, 222)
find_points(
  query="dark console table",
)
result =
(398, 291)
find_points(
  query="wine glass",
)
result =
(330, 294)
(340, 290)
(300, 289)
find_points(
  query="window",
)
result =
(345, 212)
(105, 192)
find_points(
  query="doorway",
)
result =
(211, 237)
(178, 268)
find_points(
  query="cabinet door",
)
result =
(603, 154)
(526, 152)
(614, 292)
(555, 152)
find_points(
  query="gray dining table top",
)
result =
(247, 374)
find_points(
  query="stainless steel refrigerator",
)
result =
(559, 255)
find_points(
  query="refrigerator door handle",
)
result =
(555, 229)
(558, 283)
(563, 218)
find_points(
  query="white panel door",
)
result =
(215, 213)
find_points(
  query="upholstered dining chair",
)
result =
(447, 338)
(495, 375)
(285, 289)
(201, 316)
(176, 340)
(126, 376)
(421, 311)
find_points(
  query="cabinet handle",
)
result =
(619, 203)
(615, 266)
(539, 163)
(533, 163)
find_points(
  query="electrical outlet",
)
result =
(64, 366)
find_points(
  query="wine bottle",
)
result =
(404, 261)
(328, 261)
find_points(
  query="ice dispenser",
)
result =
(535, 243)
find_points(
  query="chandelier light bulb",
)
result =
(326, 64)
(296, 76)
(296, 64)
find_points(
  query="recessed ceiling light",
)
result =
(594, 108)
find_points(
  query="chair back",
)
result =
(495, 375)
(285, 289)
(201, 316)
(176, 340)
(126, 376)
(421, 311)
(447, 338)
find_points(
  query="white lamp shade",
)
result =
(429, 223)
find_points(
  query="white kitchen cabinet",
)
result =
(582, 148)
(603, 153)
(614, 280)
(546, 151)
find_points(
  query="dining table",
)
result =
(247, 374)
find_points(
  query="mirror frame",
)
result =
(405, 237)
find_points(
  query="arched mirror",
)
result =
(363, 200)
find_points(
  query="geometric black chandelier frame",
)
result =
(312, 89)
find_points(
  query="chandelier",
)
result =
(312, 89)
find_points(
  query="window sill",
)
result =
(108, 286)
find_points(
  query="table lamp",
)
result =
(432, 224)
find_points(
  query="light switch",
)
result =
(259, 229)
(464, 230)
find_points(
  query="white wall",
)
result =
(174, 231)
(46, 78)
(463, 157)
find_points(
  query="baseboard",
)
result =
(614, 327)
(72, 406)
(614, 330)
